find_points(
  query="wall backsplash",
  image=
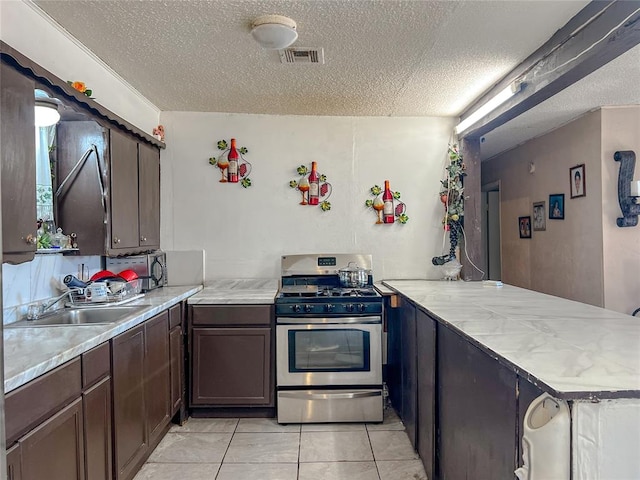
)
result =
(38, 280)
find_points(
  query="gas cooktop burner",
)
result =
(330, 292)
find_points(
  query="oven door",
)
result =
(328, 354)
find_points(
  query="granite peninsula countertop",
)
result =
(31, 352)
(571, 349)
(237, 291)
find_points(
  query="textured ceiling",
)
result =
(382, 57)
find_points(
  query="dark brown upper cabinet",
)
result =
(18, 153)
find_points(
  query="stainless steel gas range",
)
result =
(328, 342)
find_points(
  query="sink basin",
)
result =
(82, 316)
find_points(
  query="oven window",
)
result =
(330, 350)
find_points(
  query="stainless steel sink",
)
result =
(82, 316)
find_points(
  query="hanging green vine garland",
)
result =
(244, 169)
(451, 195)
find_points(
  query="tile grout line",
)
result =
(373, 455)
(227, 449)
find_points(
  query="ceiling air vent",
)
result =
(302, 55)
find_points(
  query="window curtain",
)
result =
(45, 137)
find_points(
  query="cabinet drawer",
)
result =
(175, 316)
(32, 403)
(96, 364)
(232, 315)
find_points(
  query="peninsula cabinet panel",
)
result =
(426, 361)
(231, 366)
(18, 154)
(124, 192)
(96, 403)
(476, 412)
(129, 413)
(55, 450)
(409, 368)
(157, 374)
(176, 348)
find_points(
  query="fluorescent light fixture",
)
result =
(46, 113)
(274, 32)
(491, 105)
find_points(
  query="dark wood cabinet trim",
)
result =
(60, 88)
(14, 463)
(97, 431)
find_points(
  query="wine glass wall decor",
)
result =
(313, 187)
(387, 205)
(232, 164)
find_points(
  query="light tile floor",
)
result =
(261, 449)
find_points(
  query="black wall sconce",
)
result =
(627, 200)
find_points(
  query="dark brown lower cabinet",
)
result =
(231, 366)
(140, 375)
(426, 406)
(14, 463)
(55, 449)
(231, 357)
(157, 375)
(96, 402)
(409, 369)
(176, 347)
(129, 417)
(476, 412)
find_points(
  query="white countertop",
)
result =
(234, 291)
(575, 350)
(30, 352)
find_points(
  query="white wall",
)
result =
(620, 131)
(30, 31)
(244, 231)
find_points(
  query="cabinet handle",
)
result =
(143, 239)
(116, 240)
(30, 239)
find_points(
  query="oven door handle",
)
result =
(328, 396)
(327, 320)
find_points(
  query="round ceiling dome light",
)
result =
(274, 31)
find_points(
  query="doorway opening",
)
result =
(491, 249)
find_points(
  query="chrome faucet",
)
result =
(39, 310)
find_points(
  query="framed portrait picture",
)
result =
(577, 183)
(539, 216)
(524, 224)
(556, 206)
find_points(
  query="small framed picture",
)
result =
(524, 224)
(539, 216)
(577, 182)
(556, 206)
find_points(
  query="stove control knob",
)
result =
(329, 307)
(361, 307)
(296, 308)
(308, 308)
(349, 307)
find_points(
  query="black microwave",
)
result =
(151, 268)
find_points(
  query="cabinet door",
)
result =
(97, 428)
(476, 411)
(14, 463)
(149, 195)
(55, 449)
(409, 369)
(124, 191)
(394, 356)
(157, 372)
(426, 361)
(129, 414)
(18, 161)
(176, 351)
(231, 366)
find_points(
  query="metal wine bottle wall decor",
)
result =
(387, 205)
(232, 164)
(313, 187)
